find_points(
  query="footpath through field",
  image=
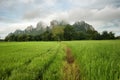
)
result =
(71, 69)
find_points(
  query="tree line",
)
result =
(62, 33)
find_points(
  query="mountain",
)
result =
(40, 26)
(83, 26)
(18, 31)
(29, 29)
(58, 23)
(54, 23)
(58, 30)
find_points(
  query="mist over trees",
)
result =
(59, 31)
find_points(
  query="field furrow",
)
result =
(71, 70)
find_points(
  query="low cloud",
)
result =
(106, 14)
(5, 29)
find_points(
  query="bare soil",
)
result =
(71, 69)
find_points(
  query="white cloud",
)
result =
(107, 14)
(103, 15)
(11, 27)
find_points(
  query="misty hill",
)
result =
(82, 26)
(30, 30)
(41, 27)
(58, 30)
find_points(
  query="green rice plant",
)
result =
(98, 60)
(55, 71)
(23, 61)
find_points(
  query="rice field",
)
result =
(29, 60)
(98, 60)
(91, 60)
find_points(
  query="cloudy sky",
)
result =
(18, 14)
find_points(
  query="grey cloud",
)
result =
(103, 3)
(37, 13)
(75, 14)
(31, 14)
(112, 24)
(42, 10)
(95, 3)
(15, 4)
(8, 3)
(19, 3)
(106, 14)
(7, 20)
(110, 2)
(25, 9)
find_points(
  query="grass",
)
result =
(26, 60)
(96, 60)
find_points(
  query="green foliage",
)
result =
(57, 32)
(69, 32)
(106, 35)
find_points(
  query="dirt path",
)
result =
(71, 69)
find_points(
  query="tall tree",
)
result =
(58, 32)
(69, 32)
(111, 35)
(105, 35)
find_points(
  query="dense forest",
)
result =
(59, 31)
